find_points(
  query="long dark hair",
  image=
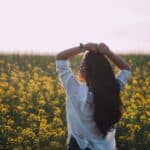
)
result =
(100, 79)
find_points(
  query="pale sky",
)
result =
(50, 26)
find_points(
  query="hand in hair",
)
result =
(103, 48)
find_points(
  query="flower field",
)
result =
(32, 104)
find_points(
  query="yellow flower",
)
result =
(10, 122)
(134, 81)
(4, 110)
(41, 102)
(1, 91)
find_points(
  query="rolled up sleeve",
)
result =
(122, 77)
(67, 78)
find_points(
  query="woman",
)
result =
(93, 106)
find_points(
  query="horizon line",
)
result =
(54, 54)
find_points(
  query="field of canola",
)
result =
(32, 104)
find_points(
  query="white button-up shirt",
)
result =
(80, 108)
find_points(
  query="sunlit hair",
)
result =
(100, 79)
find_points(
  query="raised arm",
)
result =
(65, 54)
(120, 62)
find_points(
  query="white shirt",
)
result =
(79, 109)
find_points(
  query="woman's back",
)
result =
(84, 128)
(92, 124)
(80, 109)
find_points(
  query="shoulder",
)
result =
(122, 77)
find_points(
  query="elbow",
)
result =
(59, 56)
(128, 68)
(56, 57)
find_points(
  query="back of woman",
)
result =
(84, 128)
(93, 107)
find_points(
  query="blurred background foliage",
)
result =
(32, 104)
